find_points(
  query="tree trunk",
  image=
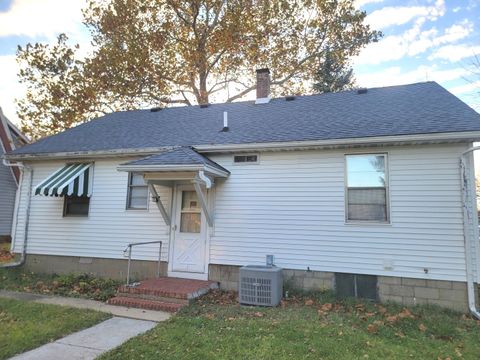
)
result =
(203, 99)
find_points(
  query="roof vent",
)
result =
(362, 91)
(155, 109)
(203, 106)
(225, 121)
(289, 98)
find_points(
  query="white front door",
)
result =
(189, 234)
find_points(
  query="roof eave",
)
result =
(174, 168)
(416, 139)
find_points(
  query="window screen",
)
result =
(367, 191)
(76, 206)
(137, 192)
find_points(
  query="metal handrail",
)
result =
(129, 249)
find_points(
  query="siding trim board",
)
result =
(291, 205)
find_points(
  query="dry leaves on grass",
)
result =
(5, 256)
(422, 328)
(219, 297)
(372, 328)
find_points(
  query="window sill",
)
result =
(367, 223)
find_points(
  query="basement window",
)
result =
(76, 205)
(251, 158)
(355, 285)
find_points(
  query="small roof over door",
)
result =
(179, 164)
(179, 159)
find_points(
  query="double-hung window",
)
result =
(137, 192)
(367, 188)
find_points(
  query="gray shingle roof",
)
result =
(178, 156)
(421, 108)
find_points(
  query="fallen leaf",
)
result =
(405, 313)
(371, 328)
(392, 319)
(382, 310)
(258, 314)
(309, 302)
(422, 328)
(326, 307)
(400, 334)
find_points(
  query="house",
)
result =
(362, 191)
(10, 139)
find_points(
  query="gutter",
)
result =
(417, 139)
(27, 219)
(469, 215)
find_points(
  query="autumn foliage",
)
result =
(160, 52)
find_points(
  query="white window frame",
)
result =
(245, 162)
(129, 192)
(65, 207)
(387, 191)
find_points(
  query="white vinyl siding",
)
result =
(292, 205)
(108, 228)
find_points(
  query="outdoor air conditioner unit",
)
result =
(260, 285)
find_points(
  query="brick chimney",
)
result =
(263, 86)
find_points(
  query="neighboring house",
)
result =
(10, 139)
(357, 190)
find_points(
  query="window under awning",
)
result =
(73, 179)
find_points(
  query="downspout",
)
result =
(27, 219)
(467, 215)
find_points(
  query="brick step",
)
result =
(156, 290)
(165, 299)
(145, 304)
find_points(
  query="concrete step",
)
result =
(145, 304)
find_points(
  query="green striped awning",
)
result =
(73, 179)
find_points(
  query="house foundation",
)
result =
(101, 267)
(406, 291)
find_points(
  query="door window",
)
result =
(190, 218)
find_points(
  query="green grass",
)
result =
(319, 330)
(27, 325)
(73, 285)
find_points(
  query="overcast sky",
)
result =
(423, 40)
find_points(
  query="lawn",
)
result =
(306, 328)
(27, 325)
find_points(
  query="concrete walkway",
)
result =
(121, 311)
(90, 343)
